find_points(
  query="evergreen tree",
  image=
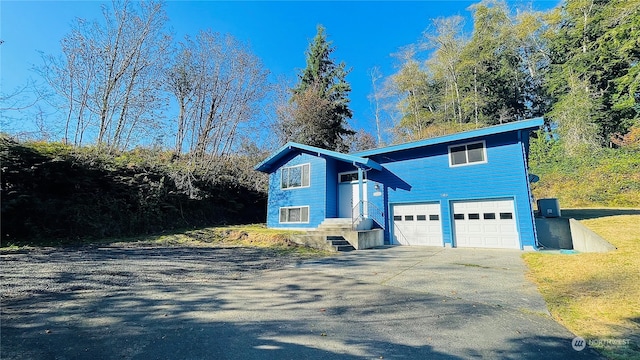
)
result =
(493, 75)
(320, 99)
(597, 40)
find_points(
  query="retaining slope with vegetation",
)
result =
(600, 178)
(53, 191)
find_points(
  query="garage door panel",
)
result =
(485, 223)
(473, 227)
(490, 228)
(492, 240)
(505, 228)
(417, 224)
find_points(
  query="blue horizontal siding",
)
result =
(314, 196)
(424, 175)
(331, 181)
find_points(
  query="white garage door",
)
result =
(486, 224)
(417, 224)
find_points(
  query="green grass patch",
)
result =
(255, 235)
(605, 178)
(597, 295)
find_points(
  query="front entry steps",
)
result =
(339, 243)
(337, 234)
(335, 228)
(335, 224)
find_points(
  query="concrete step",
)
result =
(337, 221)
(336, 224)
(345, 248)
(330, 232)
(333, 229)
(316, 241)
(339, 242)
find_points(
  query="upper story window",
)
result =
(295, 177)
(471, 153)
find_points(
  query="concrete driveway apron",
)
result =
(429, 302)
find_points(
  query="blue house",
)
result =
(469, 189)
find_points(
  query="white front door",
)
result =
(349, 197)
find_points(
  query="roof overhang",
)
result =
(271, 163)
(531, 124)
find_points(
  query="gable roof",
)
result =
(465, 135)
(360, 159)
(271, 163)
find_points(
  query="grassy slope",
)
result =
(257, 235)
(228, 236)
(597, 296)
(608, 178)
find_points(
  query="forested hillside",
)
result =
(576, 65)
(117, 87)
(601, 178)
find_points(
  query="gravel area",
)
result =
(51, 297)
(34, 273)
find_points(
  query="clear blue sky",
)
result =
(364, 33)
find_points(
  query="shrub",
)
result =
(52, 191)
(607, 177)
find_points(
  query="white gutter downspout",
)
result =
(360, 193)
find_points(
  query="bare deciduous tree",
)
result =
(20, 98)
(374, 98)
(218, 84)
(107, 79)
(283, 109)
(448, 43)
(180, 83)
(308, 124)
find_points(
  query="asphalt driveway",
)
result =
(221, 303)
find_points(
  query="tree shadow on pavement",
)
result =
(234, 304)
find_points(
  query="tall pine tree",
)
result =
(320, 99)
(596, 42)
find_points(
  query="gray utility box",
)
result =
(549, 208)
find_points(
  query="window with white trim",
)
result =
(298, 214)
(346, 177)
(465, 154)
(294, 176)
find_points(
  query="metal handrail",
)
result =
(371, 211)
